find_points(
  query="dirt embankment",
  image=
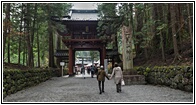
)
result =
(186, 53)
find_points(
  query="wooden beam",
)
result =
(81, 40)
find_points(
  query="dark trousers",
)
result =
(101, 90)
(118, 87)
(92, 73)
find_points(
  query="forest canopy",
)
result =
(163, 30)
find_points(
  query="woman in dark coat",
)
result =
(101, 78)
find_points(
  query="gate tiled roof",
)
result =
(61, 53)
(83, 15)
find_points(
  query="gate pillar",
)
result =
(70, 61)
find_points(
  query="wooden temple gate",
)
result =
(80, 34)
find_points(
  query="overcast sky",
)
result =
(84, 6)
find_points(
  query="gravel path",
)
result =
(77, 89)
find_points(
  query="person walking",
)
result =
(92, 71)
(76, 71)
(101, 79)
(83, 71)
(96, 70)
(88, 69)
(117, 72)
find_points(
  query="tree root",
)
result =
(178, 56)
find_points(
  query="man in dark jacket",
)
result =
(92, 71)
(101, 78)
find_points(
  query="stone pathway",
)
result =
(77, 89)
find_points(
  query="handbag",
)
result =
(122, 82)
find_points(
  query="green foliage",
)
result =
(107, 10)
(43, 13)
(94, 55)
(15, 80)
(148, 21)
(178, 77)
(152, 20)
(161, 27)
(112, 17)
(110, 21)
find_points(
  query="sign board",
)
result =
(62, 63)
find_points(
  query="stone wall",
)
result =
(16, 80)
(176, 77)
(134, 79)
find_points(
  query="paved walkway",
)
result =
(77, 89)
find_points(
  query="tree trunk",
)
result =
(173, 22)
(58, 46)
(179, 17)
(29, 49)
(139, 16)
(51, 49)
(162, 47)
(4, 43)
(165, 13)
(9, 34)
(169, 30)
(24, 36)
(38, 49)
(19, 46)
(131, 29)
(156, 40)
(146, 53)
(25, 56)
(115, 47)
(153, 18)
(190, 23)
(32, 35)
(161, 15)
(8, 46)
(145, 21)
(58, 42)
(6, 27)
